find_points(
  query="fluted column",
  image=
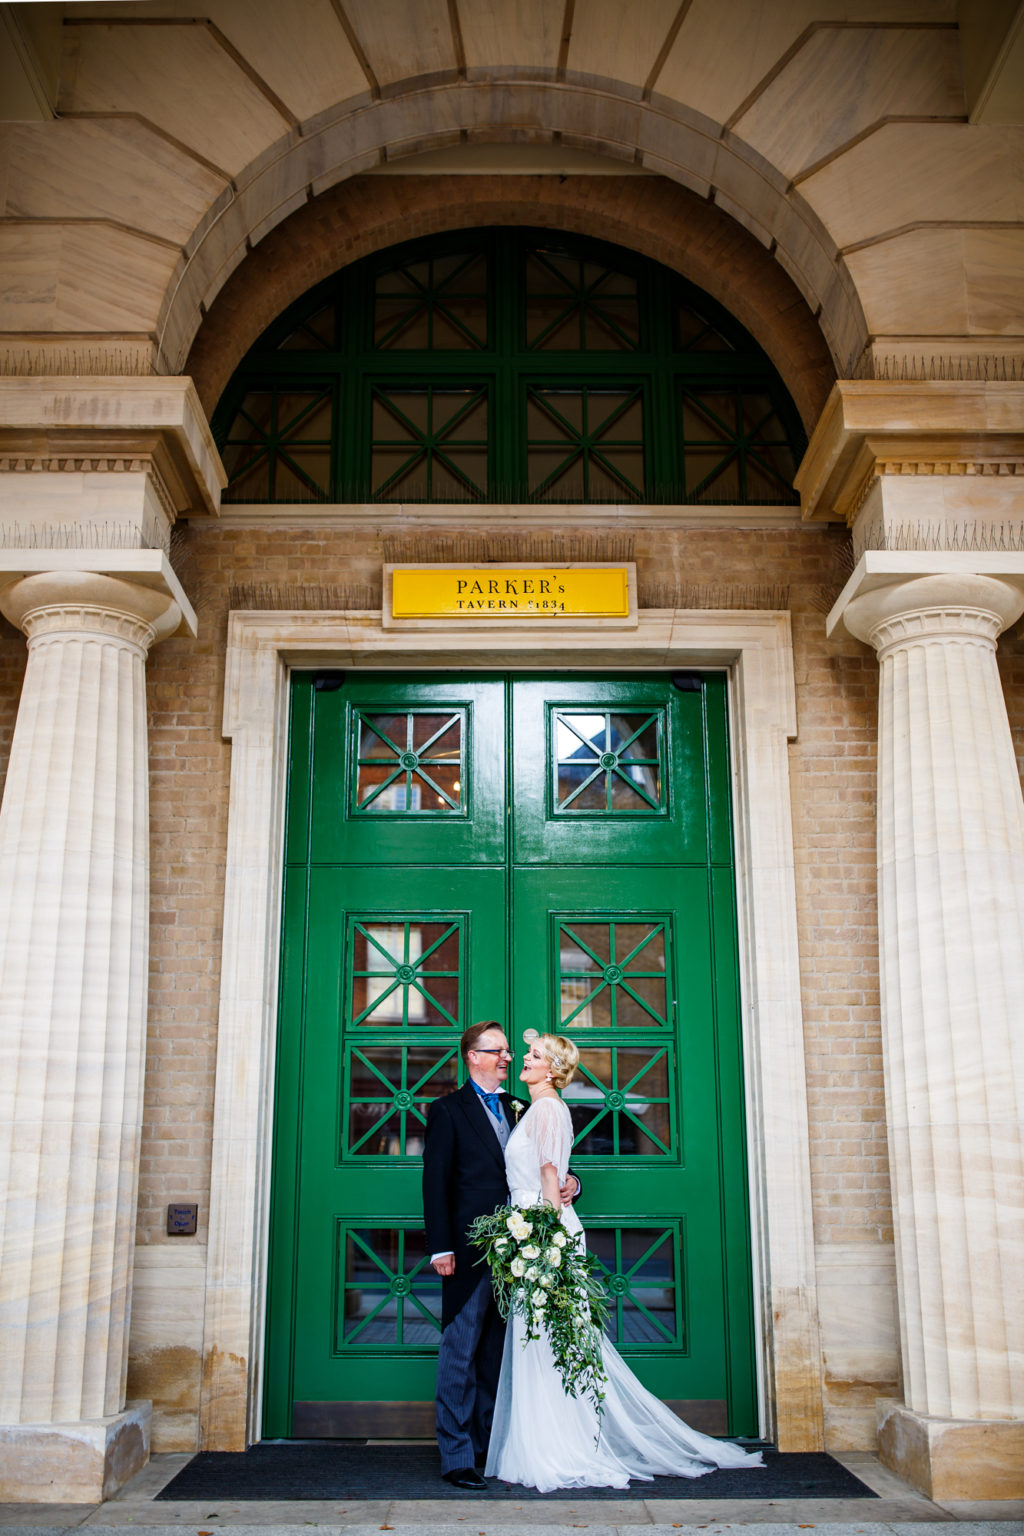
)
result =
(951, 937)
(74, 916)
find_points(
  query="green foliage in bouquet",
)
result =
(545, 1275)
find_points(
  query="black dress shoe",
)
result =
(464, 1477)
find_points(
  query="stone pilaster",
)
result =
(74, 915)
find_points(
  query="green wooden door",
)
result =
(551, 853)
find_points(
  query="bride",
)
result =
(541, 1437)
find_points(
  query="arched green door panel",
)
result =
(613, 921)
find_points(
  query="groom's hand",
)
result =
(444, 1264)
(570, 1189)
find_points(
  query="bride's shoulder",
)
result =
(547, 1111)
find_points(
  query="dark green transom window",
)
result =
(507, 366)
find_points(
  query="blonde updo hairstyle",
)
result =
(562, 1057)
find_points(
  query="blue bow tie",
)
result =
(493, 1103)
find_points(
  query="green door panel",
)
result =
(375, 996)
(608, 914)
(608, 770)
(406, 771)
(627, 953)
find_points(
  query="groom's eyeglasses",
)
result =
(493, 1050)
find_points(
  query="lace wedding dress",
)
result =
(544, 1439)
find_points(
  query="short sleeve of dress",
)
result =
(552, 1134)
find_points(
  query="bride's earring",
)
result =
(548, 1078)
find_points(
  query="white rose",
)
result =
(501, 1242)
(531, 1273)
(517, 1267)
(539, 1299)
(553, 1257)
(531, 1251)
(547, 1281)
(559, 1239)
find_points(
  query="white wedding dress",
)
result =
(543, 1438)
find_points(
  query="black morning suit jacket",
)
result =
(463, 1177)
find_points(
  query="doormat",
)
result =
(346, 1469)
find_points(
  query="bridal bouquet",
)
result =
(543, 1274)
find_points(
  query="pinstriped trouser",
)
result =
(468, 1367)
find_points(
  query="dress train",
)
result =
(541, 1437)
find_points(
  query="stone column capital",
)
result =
(64, 603)
(895, 597)
(934, 608)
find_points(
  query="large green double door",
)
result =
(552, 853)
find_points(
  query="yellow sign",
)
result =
(494, 592)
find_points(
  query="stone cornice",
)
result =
(871, 429)
(154, 426)
(148, 458)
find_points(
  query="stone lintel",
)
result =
(885, 568)
(932, 427)
(952, 1459)
(146, 567)
(78, 1463)
(154, 423)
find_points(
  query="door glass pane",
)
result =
(386, 1292)
(278, 447)
(697, 335)
(388, 1092)
(439, 305)
(608, 762)
(429, 443)
(613, 974)
(405, 973)
(622, 1103)
(409, 763)
(578, 305)
(641, 1266)
(585, 441)
(317, 333)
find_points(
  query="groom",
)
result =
(464, 1177)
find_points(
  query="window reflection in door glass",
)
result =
(406, 973)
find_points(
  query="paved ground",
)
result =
(898, 1511)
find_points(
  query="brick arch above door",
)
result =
(652, 216)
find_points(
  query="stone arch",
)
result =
(691, 154)
(647, 214)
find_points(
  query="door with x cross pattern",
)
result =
(554, 853)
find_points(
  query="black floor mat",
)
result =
(346, 1470)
